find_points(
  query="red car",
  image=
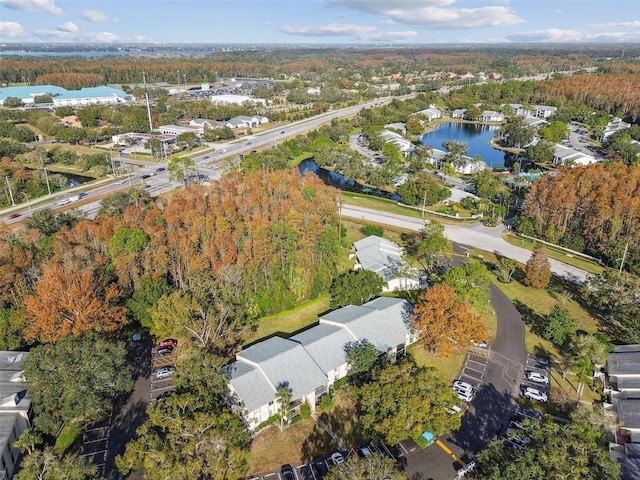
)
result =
(168, 342)
(14, 215)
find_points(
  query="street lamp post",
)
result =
(28, 204)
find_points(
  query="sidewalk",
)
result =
(326, 428)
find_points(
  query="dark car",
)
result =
(165, 351)
(160, 169)
(14, 215)
(168, 342)
(320, 467)
(145, 176)
(286, 472)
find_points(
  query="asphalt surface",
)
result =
(474, 236)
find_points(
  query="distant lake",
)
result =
(475, 136)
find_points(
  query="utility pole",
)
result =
(424, 203)
(146, 96)
(10, 192)
(28, 204)
(624, 256)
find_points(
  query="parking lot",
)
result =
(160, 386)
(539, 366)
(317, 469)
(95, 444)
(475, 366)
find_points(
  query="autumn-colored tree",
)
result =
(71, 299)
(444, 323)
(538, 268)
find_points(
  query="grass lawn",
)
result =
(342, 419)
(449, 367)
(291, 321)
(556, 254)
(303, 441)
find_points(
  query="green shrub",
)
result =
(269, 421)
(326, 402)
(305, 411)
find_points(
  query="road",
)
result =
(473, 236)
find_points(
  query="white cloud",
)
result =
(12, 30)
(96, 37)
(68, 27)
(434, 14)
(47, 6)
(91, 15)
(634, 24)
(361, 33)
(556, 35)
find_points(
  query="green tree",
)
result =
(283, 397)
(190, 435)
(456, 153)
(78, 391)
(554, 132)
(423, 188)
(506, 267)
(181, 168)
(559, 326)
(362, 358)
(355, 287)
(542, 152)
(28, 441)
(577, 450)
(46, 465)
(189, 138)
(615, 295)
(471, 282)
(429, 246)
(373, 467)
(117, 202)
(538, 268)
(12, 102)
(403, 400)
(516, 133)
(12, 324)
(146, 297)
(49, 222)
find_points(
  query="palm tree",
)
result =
(283, 396)
(28, 441)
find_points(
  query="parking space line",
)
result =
(474, 369)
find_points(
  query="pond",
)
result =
(475, 136)
(337, 180)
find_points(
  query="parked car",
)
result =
(165, 351)
(320, 467)
(453, 409)
(364, 451)
(337, 458)
(534, 394)
(466, 396)
(164, 372)
(537, 377)
(286, 472)
(168, 342)
(464, 386)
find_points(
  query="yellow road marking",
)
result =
(450, 452)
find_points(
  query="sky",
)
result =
(320, 21)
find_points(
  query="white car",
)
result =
(164, 372)
(537, 377)
(453, 409)
(534, 394)
(459, 385)
(466, 396)
(337, 458)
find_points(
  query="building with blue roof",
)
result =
(62, 97)
(310, 362)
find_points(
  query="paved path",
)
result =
(474, 236)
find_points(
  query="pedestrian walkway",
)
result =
(326, 428)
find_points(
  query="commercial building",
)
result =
(62, 97)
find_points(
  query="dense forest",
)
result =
(595, 209)
(244, 247)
